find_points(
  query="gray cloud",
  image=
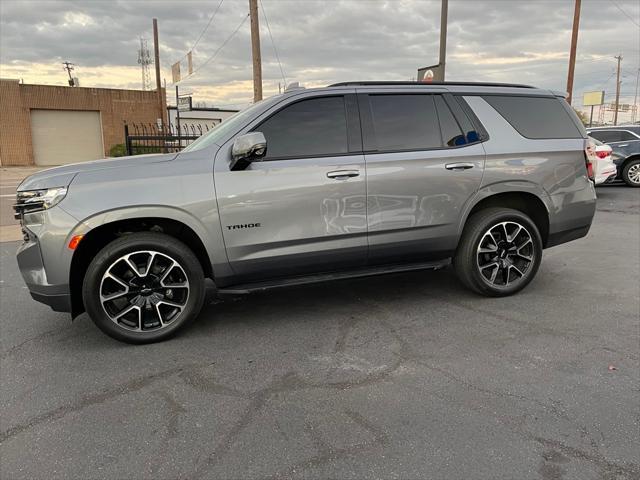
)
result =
(327, 41)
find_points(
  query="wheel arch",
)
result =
(98, 237)
(630, 158)
(526, 199)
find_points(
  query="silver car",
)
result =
(350, 180)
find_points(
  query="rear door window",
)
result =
(607, 136)
(405, 122)
(535, 117)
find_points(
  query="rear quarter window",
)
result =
(535, 117)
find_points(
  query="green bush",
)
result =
(118, 150)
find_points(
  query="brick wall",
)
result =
(115, 107)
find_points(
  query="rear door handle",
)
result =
(458, 166)
(624, 145)
(343, 174)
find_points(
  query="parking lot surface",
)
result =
(399, 376)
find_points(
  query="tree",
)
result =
(582, 116)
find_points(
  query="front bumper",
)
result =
(33, 272)
(43, 258)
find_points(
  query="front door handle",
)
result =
(624, 145)
(343, 174)
(458, 166)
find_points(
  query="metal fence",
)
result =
(141, 138)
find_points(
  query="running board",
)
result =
(326, 277)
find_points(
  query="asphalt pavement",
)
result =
(399, 376)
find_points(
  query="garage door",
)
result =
(65, 136)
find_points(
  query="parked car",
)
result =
(625, 142)
(350, 180)
(604, 170)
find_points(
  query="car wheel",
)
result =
(143, 287)
(499, 252)
(631, 173)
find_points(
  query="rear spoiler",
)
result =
(560, 93)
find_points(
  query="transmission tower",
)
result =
(145, 59)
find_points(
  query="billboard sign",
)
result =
(590, 99)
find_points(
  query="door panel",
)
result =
(420, 174)
(414, 202)
(289, 217)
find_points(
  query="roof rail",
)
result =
(464, 84)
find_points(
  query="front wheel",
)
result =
(631, 173)
(499, 252)
(143, 287)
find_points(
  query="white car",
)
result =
(604, 170)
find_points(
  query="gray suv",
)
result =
(350, 180)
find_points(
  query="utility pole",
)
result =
(156, 52)
(68, 66)
(635, 99)
(615, 112)
(255, 51)
(444, 9)
(572, 53)
(178, 116)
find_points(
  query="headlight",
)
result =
(30, 201)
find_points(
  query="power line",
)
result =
(626, 14)
(275, 50)
(193, 47)
(228, 39)
(209, 23)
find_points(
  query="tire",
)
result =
(152, 304)
(631, 173)
(496, 228)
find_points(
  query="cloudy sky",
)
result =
(320, 42)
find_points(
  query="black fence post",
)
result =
(127, 139)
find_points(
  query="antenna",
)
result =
(145, 59)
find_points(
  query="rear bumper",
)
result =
(571, 216)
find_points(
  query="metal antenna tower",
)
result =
(145, 59)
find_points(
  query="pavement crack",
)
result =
(88, 401)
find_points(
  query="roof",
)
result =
(426, 84)
(615, 127)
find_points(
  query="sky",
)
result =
(321, 42)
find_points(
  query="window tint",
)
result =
(451, 134)
(535, 117)
(627, 136)
(317, 126)
(462, 112)
(607, 135)
(405, 122)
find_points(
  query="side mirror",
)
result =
(248, 148)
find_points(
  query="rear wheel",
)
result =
(631, 173)
(143, 287)
(499, 252)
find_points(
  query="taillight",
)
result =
(602, 153)
(590, 156)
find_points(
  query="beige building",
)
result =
(51, 125)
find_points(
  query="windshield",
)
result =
(220, 131)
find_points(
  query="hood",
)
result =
(62, 176)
